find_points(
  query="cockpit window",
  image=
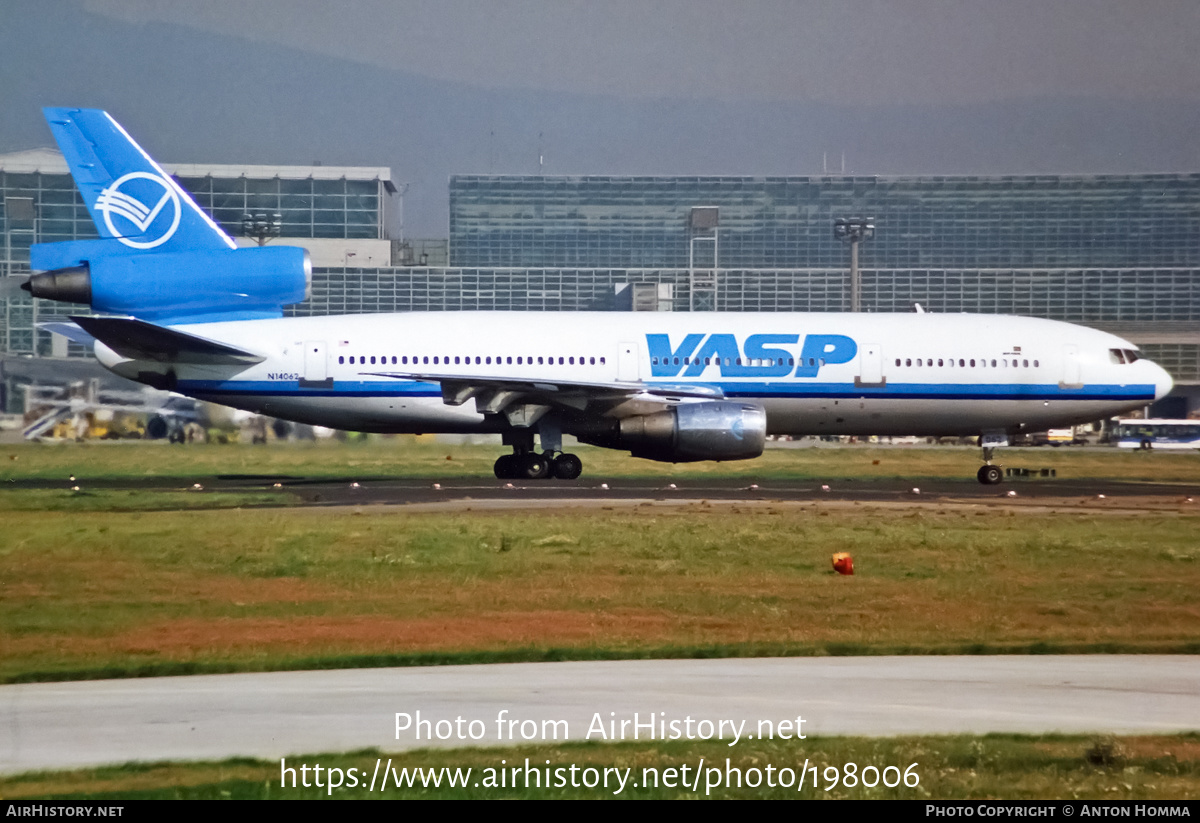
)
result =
(1131, 356)
(1116, 355)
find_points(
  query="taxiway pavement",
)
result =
(270, 715)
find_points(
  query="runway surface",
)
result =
(489, 493)
(64, 725)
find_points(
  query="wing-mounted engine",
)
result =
(688, 432)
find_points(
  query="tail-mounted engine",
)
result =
(231, 283)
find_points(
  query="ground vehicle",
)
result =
(1057, 437)
(1157, 434)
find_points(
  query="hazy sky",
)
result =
(847, 51)
(432, 88)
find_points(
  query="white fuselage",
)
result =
(886, 374)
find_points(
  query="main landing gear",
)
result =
(526, 464)
(989, 474)
(534, 466)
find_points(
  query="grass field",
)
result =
(968, 767)
(95, 587)
(105, 582)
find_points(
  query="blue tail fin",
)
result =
(131, 199)
(160, 257)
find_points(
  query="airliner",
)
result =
(180, 307)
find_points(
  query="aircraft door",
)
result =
(315, 362)
(870, 366)
(628, 368)
(1072, 372)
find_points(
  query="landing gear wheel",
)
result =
(505, 467)
(567, 467)
(532, 466)
(990, 475)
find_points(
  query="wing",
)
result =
(523, 400)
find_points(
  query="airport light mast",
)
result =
(854, 230)
(262, 227)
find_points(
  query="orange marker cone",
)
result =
(843, 563)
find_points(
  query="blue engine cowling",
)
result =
(172, 287)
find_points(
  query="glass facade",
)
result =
(1143, 221)
(34, 208)
(355, 291)
(308, 207)
(1103, 297)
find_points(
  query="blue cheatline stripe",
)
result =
(942, 391)
(742, 389)
(284, 388)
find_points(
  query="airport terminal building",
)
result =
(1121, 253)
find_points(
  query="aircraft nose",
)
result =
(1163, 382)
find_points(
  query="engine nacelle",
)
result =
(249, 283)
(716, 430)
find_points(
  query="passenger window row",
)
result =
(479, 360)
(739, 361)
(965, 363)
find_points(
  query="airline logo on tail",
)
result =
(130, 205)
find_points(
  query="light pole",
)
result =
(854, 230)
(262, 227)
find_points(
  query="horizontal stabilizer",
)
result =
(70, 331)
(139, 340)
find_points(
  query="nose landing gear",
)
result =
(989, 474)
